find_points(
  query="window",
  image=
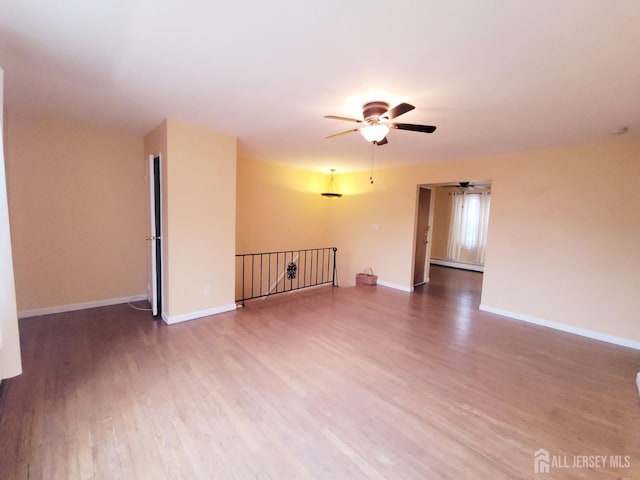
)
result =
(468, 228)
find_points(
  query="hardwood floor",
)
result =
(346, 383)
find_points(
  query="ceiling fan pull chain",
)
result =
(371, 173)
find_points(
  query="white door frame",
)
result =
(153, 238)
(429, 233)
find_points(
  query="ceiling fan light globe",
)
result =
(374, 132)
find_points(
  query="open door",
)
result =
(154, 238)
(420, 270)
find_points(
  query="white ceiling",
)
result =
(494, 76)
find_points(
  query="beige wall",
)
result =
(77, 209)
(390, 204)
(563, 238)
(563, 233)
(10, 362)
(280, 208)
(441, 222)
(84, 186)
(200, 207)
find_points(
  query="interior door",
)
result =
(154, 238)
(422, 235)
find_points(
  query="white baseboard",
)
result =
(80, 306)
(395, 286)
(603, 337)
(173, 319)
(462, 265)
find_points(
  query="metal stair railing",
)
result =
(269, 273)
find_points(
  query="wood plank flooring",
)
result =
(346, 383)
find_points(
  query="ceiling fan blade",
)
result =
(384, 141)
(343, 133)
(335, 117)
(413, 128)
(398, 110)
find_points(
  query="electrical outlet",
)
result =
(374, 227)
(207, 289)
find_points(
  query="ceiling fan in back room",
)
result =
(467, 186)
(376, 122)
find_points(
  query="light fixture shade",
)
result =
(374, 132)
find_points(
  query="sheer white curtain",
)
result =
(483, 223)
(468, 228)
(457, 226)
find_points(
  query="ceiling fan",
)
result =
(467, 185)
(375, 123)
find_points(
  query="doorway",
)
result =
(154, 238)
(460, 225)
(434, 224)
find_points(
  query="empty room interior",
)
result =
(353, 240)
